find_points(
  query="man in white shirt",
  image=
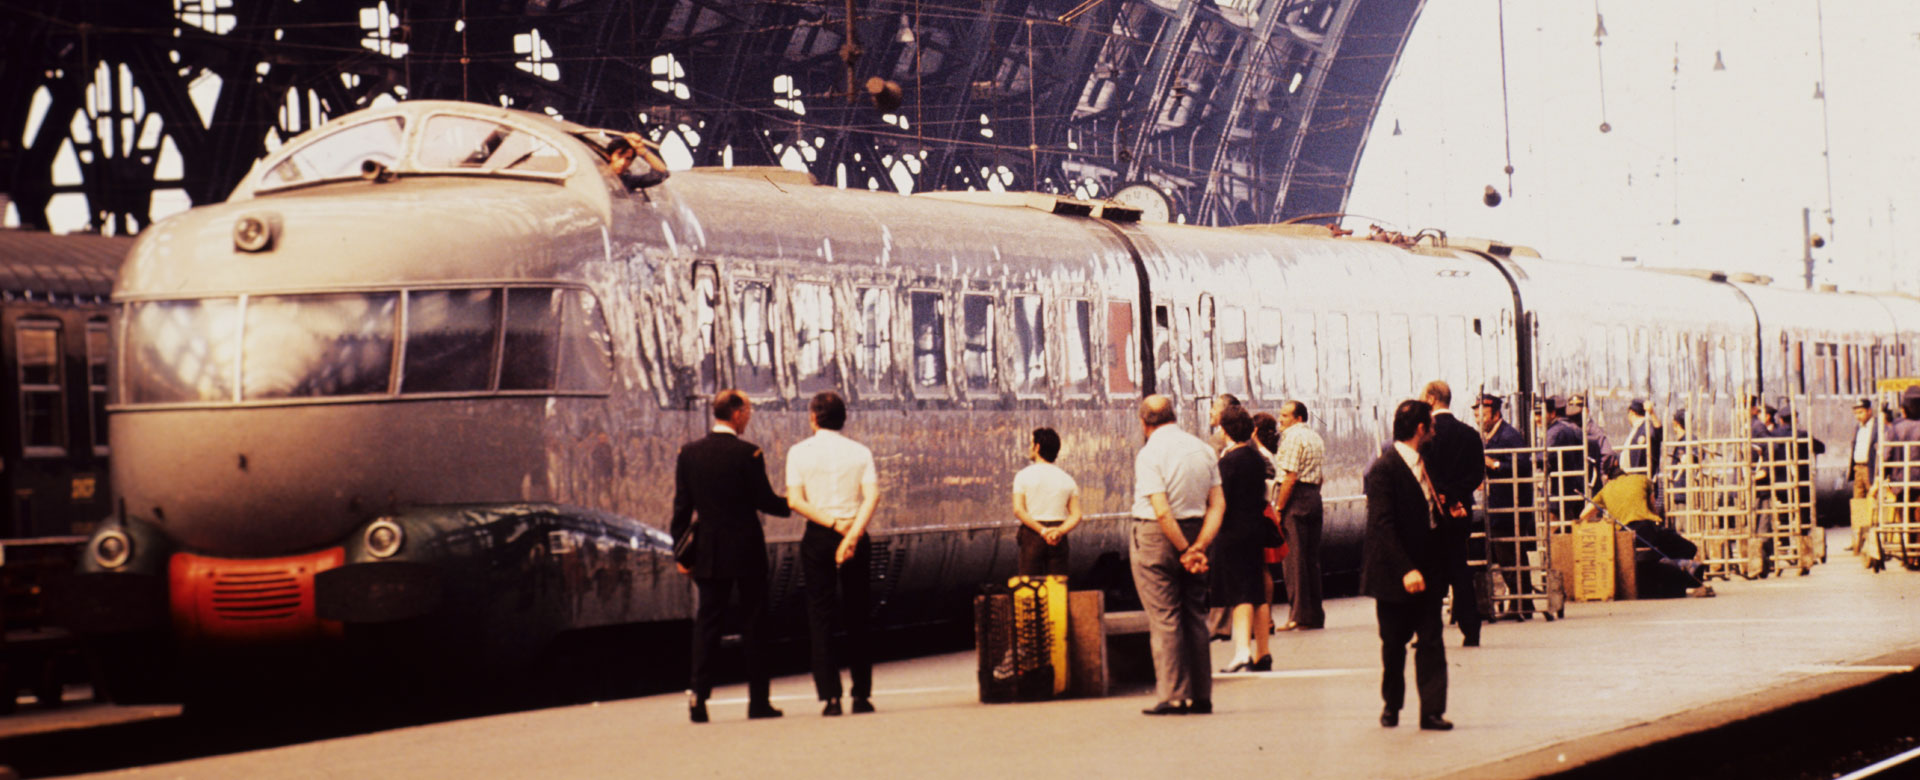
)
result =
(1177, 507)
(1866, 446)
(1047, 502)
(832, 482)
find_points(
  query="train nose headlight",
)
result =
(256, 232)
(112, 549)
(384, 538)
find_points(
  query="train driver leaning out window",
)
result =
(622, 151)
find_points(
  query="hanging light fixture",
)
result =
(1718, 64)
(1396, 127)
(1818, 93)
(1599, 25)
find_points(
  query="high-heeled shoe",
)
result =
(1237, 666)
(1265, 664)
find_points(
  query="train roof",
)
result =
(43, 265)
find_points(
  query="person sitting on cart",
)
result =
(1663, 559)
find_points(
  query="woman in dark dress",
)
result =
(1237, 555)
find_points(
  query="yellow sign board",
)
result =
(1593, 561)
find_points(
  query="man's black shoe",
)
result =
(1165, 708)
(862, 705)
(759, 710)
(696, 709)
(1435, 723)
(832, 709)
(1389, 718)
(1200, 707)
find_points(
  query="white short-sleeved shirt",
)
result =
(831, 468)
(1178, 464)
(1047, 488)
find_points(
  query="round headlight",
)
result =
(111, 549)
(384, 538)
(255, 232)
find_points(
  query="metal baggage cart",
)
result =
(1520, 575)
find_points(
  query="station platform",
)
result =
(1538, 698)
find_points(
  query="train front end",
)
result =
(363, 412)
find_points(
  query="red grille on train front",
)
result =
(270, 599)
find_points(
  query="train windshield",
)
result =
(339, 155)
(366, 345)
(467, 144)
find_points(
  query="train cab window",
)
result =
(753, 339)
(99, 350)
(310, 346)
(470, 145)
(977, 355)
(338, 155)
(42, 393)
(1123, 350)
(181, 351)
(1303, 375)
(1030, 345)
(816, 364)
(555, 339)
(929, 343)
(450, 338)
(1267, 334)
(1232, 326)
(873, 348)
(1079, 376)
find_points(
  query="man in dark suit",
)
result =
(1405, 568)
(1509, 503)
(721, 481)
(1566, 461)
(1456, 462)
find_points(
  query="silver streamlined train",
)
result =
(414, 392)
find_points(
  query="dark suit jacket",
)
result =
(721, 481)
(1505, 437)
(1455, 459)
(1400, 537)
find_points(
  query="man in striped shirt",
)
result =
(1301, 514)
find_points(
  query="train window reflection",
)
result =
(1272, 382)
(1233, 352)
(1123, 351)
(481, 146)
(977, 359)
(307, 346)
(929, 343)
(37, 352)
(753, 352)
(873, 355)
(339, 154)
(99, 348)
(529, 359)
(1030, 343)
(181, 351)
(1079, 376)
(815, 365)
(450, 336)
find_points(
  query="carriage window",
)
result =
(816, 366)
(309, 346)
(99, 348)
(1030, 344)
(1186, 356)
(181, 351)
(929, 343)
(753, 352)
(1203, 346)
(873, 352)
(450, 335)
(1267, 335)
(706, 320)
(1337, 376)
(1123, 352)
(338, 155)
(37, 346)
(1397, 344)
(1303, 374)
(480, 146)
(1163, 348)
(979, 355)
(1233, 352)
(1079, 340)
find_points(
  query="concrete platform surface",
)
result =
(1538, 696)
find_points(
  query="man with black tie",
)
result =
(1405, 568)
(721, 482)
(1456, 462)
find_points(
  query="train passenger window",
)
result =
(312, 346)
(1267, 335)
(480, 146)
(1851, 370)
(586, 347)
(42, 393)
(338, 155)
(181, 351)
(1397, 344)
(1123, 351)
(1186, 361)
(1203, 349)
(873, 337)
(99, 350)
(816, 363)
(1079, 377)
(1336, 376)
(1233, 352)
(1030, 345)
(977, 359)
(450, 337)
(1303, 364)
(753, 339)
(1876, 364)
(929, 343)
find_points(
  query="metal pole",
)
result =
(1806, 242)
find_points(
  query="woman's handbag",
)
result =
(1275, 553)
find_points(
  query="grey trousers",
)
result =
(1176, 605)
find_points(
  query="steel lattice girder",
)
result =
(1249, 110)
